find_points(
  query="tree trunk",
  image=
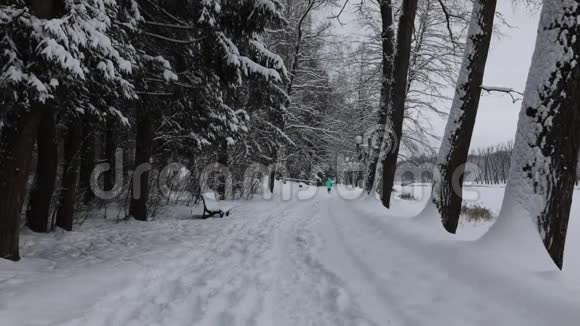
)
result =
(87, 161)
(545, 154)
(17, 141)
(387, 44)
(72, 146)
(38, 213)
(272, 180)
(143, 150)
(447, 190)
(396, 112)
(277, 119)
(110, 147)
(223, 160)
(46, 8)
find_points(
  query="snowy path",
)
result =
(323, 261)
(424, 282)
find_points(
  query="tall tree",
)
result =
(143, 151)
(387, 38)
(198, 56)
(396, 110)
(42, 191)
(72, 147)
(432, 69)
(543, 167)
(19, 129)
(291, 43)
(447, 190)
(17, 141)
(87, 159)
(55, 62)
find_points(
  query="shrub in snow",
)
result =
(407, 196)
(476, 214)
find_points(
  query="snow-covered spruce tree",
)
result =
(263, 101)
(387, 43)
(213, 49)
(396, 105)
(447, 190)
(102, 96)
(45, 177)
(539, 191)
(42, 57)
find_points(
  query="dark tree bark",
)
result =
(87, 161)
(387, 44)
(110, 147)
(38, 213)
(223, 160)
(545, 154)
(272, 180)
(559, 142)
(72, 146)
(448, 190)
(17, 139)
(143, 150)
(396, 112)
(46, 8)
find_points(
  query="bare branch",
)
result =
(448, 17)
(175, 26)
(509, 91)
(172, 40)
(337, 17)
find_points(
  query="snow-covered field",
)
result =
(307, 258)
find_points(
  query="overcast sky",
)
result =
(507, 66)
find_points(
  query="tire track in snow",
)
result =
(418, 291)
(358, 269)
(432, 276)
(308, 293)
(204, 283)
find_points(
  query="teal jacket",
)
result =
(329, 183)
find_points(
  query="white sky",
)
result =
(507, 66)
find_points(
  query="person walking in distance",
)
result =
(329, 184)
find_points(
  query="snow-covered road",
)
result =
(321, 261)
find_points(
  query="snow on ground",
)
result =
(302, 258)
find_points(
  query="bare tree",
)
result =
(290, 42)
(396, 110)
(387, 45)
